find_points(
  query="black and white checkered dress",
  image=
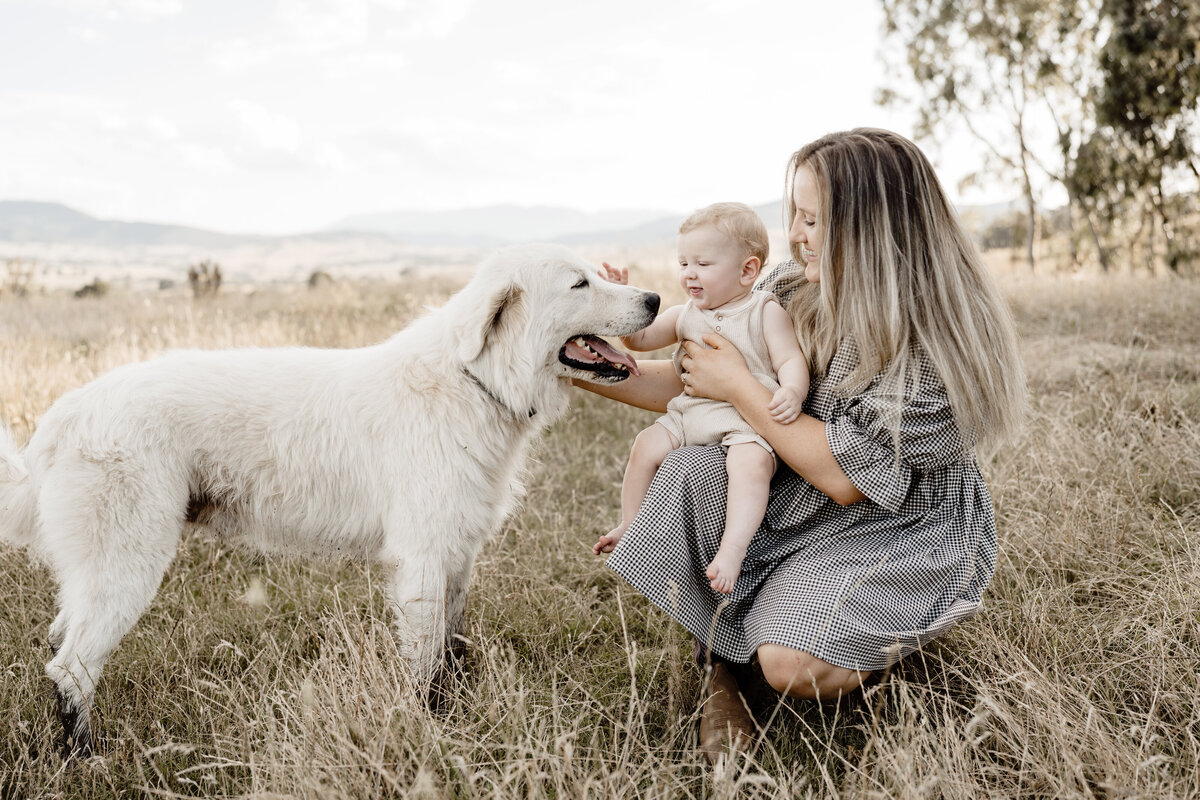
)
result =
(858, 586)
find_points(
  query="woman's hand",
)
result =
(718, 371)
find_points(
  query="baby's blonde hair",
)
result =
(739, 222)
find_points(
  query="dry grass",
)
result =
(280, 679)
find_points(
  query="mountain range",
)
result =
(30, 221)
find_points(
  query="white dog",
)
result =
(409, 452)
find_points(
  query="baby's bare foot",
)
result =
(723, 572)
(607, 542)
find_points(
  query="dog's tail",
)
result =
(17, 500)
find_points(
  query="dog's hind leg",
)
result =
(109, 554)
(101, 606)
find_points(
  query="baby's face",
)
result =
(713, 268)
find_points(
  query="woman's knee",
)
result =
(799, 674)
(688, 464)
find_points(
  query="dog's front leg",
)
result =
(418, 594)
(457, 583)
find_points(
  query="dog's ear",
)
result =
(503, 311)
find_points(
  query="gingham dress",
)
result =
(858, 586)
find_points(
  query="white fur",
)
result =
(390, 452)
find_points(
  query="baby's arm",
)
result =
(789, 363)
(659, 333)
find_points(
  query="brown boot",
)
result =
(725, 722)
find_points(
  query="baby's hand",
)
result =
(614, 274)
(785, 405)
(607, 542)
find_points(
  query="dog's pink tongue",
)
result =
(602, 349)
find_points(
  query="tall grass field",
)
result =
(270, 678)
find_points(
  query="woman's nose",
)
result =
(796, 232)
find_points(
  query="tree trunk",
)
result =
(1030, 232)
(1031, 222)
(1100, 254)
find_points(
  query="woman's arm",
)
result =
(651, 390)
(721, 373)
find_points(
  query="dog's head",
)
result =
(539, 310)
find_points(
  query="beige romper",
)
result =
(699, 421)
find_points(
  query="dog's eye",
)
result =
(582, 284)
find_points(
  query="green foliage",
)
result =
(1117, 81)
(205, 278)
(991, 65)
(1146, 126)
(97, 288)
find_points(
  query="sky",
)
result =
(282, 116)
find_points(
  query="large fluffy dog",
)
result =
(408, 452)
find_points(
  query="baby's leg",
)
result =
(649, 449)
(750, 468)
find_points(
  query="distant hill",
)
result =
(27, 221)
(30, 221)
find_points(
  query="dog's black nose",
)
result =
(652, 302)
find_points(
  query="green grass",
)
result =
(1079, 678)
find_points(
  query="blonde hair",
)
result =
(901, 280)
(739, 222)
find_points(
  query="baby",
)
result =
(722, 248)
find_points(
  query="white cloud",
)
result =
(206, 158)
(340, 66)
(270, 130)
(115, 9)
(162, 127)
(331, 157)
(152, 8)
(322, 24)
(301, 29)
(435, 20)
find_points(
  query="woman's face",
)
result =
(805, 230)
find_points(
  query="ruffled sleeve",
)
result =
(781, 281)
(861, 439)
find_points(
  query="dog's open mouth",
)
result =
(593, 354)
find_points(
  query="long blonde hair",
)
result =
(900, 277)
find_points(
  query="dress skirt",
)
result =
(858, 586)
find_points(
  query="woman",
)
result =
(879, 534)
